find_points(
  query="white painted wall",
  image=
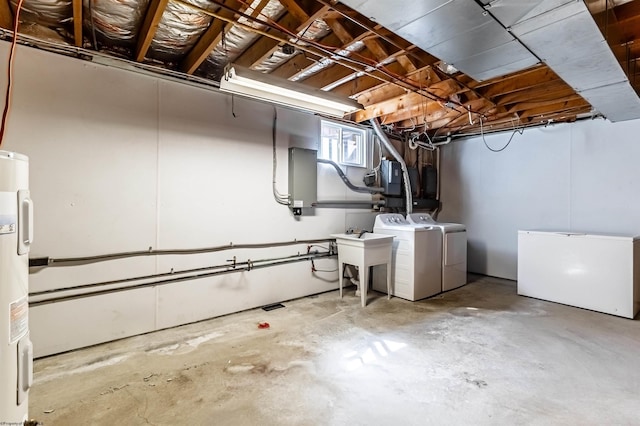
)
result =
(123, 162)
(580, 177)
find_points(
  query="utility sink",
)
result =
(367, 239)
(364, 251)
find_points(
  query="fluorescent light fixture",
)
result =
(253, 84)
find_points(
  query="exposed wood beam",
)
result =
(627, 11)
(506, 124)
(398, 104)
(294, 9)
(300, 62)
(406, 63)
(213, 36)
(356, 86)
(378, 30)
(408, 100)
(526, 80)
(258, 53)
(77, 23)
(484, 108)
(554, 108)
(524, 106)
(533, 91)
(334, 72)
(6, 16)
(417, 116)
(424, 77)
(447, 115)
(340, 31)
(374, 45)
(149, 27)
(536, 70)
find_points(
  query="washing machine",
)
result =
(454, 249)
(416, 258)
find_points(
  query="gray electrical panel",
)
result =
(391, 177)
(303, 178)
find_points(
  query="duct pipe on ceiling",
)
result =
(405, 173)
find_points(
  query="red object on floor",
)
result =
(263, 325)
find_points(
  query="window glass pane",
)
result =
(353, 147)
(330, 142)
(343, 145)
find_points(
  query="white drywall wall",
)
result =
(123, 162)
(576, 177)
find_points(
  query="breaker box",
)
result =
(429, 182)
(391, 177)
(303, 179)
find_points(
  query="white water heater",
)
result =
(16, 234)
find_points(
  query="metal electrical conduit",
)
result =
(215, 270)
(405, 172)
(345, 179)
(72, 261)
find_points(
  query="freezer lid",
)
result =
(577, 234)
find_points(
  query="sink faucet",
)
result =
(360, 232)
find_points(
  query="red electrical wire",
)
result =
(7, 100)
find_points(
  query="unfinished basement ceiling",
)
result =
(435, 66)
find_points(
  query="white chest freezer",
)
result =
(591, 271)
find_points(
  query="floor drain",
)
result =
(272, 307)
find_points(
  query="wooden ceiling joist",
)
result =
(77, 23)
(347, 40)
(515, 81)
(295, 10)
(359, 84)
(417, 116)
(536, 91)
(149, 27)
(423, 77)
(213, 35)
(302, 61)
(562, 106)
(441, 89)
(6, 16)
(390, 106)
(264, 48)
(356, 86)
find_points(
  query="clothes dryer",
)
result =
(454, 249)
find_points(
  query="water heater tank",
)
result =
(16, 234)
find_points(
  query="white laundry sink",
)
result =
(367, 239)
(364, 251)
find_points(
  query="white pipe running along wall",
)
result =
(580, 177)
(125, 162)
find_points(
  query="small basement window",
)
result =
(344, 145)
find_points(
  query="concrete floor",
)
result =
(476, 355)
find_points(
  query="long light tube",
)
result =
(246, 82)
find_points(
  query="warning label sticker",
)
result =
(8, 212)
(18, 319)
